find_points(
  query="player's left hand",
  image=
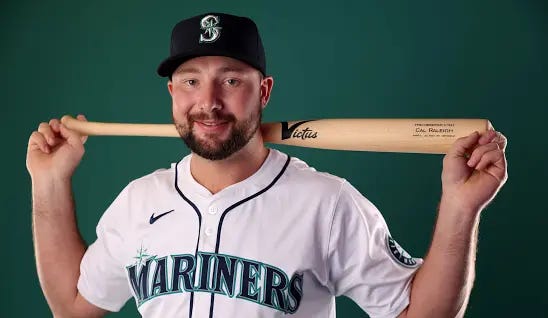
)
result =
(474, 170)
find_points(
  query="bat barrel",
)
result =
(386, 135)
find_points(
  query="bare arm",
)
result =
(442, 286)
(52, 155)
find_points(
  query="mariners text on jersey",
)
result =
(216, 273)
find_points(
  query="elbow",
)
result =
(59, 310)
(72, 314)
(66, 312)
(450, 306)
(62, 313)
(63, 309)
(76, 310)
(462, 310)
(456, 313)
(453, 309)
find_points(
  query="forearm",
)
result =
(58, 245)
(442, 286)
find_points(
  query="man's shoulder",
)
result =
(300, 172)
(155, 180)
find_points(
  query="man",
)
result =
(239, 230)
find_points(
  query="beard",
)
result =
(211, 147)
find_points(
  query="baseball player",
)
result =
(236, 229)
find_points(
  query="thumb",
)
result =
(83, 138)
(72, 137)
(462, 147)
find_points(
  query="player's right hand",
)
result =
(54, 151)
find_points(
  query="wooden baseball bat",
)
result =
(361, 134)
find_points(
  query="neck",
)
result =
(215, 175)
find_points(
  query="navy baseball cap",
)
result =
(217, 34)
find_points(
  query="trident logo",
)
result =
(211, 31)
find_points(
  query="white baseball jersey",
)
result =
(286, 240)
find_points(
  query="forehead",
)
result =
(214, 64)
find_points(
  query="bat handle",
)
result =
(118, 129)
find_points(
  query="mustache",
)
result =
(216, 116)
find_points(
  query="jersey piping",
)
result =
(220, 222)
(234, 206)
(199, 229)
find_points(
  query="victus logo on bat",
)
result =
(294, 132)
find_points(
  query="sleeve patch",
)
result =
(399, 254)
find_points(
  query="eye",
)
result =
(190, 82)
(232, 82)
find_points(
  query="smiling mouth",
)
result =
(212, 124)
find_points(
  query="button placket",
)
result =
(209, 230)
(213, 210)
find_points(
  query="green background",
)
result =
(331, 59)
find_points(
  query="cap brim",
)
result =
(169, 65)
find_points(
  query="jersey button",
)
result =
(208, 231)
(212, 210)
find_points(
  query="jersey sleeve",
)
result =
(364, 262)
(102, 280)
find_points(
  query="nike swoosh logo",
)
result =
(155, 218)
(288, 131)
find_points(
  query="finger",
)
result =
(498, 169)
(489, 159)
(493, 136)
(54, 125)
(478, 153)
(72, 137)
(501, 140)
(487, 137)
(38, 141)
(81, 117)
(45, 129)
(464, 145)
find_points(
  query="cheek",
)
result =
(247, 101)
(181, 104)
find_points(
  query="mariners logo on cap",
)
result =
(211, 31)
(399, 254)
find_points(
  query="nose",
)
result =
(210, 98)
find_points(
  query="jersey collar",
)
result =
(257, 181)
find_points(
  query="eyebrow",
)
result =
(188, 70)
(225, 69)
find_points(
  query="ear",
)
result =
(170, 87)
(266, 88)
